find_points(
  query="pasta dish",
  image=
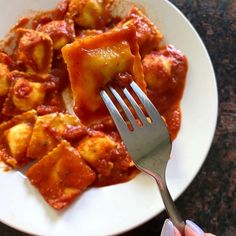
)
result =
(53, 66)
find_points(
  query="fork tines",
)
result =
(124, 94)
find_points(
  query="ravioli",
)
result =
(148, 35)
(24, 94)
(95, 61)
(90, 14)
(48, 133)
(53, 67)
(60, 31)
(35, 51)
(61, 175)
(15, 137)
(4, 79)
(97, 149)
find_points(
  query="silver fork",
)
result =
(148, 144)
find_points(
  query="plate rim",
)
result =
(210, 138)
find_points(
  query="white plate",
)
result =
(115, 209)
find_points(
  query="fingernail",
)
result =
(195, 227)
(167, 229)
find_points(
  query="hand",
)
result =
(191, 229)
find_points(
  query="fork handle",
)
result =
(170, 205)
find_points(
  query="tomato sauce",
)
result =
(166, 96)
(52, 50)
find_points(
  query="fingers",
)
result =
(168, 229)
(191, 229)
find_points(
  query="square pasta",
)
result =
(26, 92)
(50, 130)
(108, 157)
(90, 14)
(35, 51)
(15, 138)
(94, 61)
(31, 91)
(60, 31)
(61, 175)
(149, 37)
(97, 150)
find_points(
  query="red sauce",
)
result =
(21, 90)
(160, 72)
(166, 96)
